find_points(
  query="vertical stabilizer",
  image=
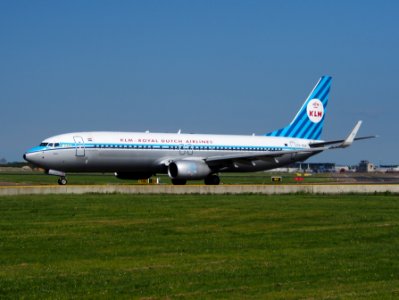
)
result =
(308, 122)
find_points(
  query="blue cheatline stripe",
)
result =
(303, 117)
(112, 146)
(300, 133)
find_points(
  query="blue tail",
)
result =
(308, 122)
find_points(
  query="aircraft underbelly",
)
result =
(95, 160)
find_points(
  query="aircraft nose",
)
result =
(29, 157)
(26, 157)
(34, 157)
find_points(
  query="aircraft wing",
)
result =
(215, 160)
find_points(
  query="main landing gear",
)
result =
(179, 181)
(62, 181)
(212, 180)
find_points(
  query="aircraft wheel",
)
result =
(179, 181)
(62, 181)
(212, 180)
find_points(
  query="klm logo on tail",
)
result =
(308, 122)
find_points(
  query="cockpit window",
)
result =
(49, 145)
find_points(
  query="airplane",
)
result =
(140, 155)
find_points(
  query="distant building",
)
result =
(342, 169)
(365, 166)
(315, 167)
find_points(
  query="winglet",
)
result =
(351, 137)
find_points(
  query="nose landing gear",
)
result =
(62, 181)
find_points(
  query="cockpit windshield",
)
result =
(49, 145)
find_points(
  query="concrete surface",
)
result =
(201, 189)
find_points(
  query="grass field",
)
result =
(242, 247)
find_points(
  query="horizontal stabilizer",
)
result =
(346, 142)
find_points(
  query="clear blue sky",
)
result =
(231, 67)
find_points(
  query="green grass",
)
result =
(38, 178)
(207, 247)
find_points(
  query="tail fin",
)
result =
(308, 122)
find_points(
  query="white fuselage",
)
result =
(139, 152)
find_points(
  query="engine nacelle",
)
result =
(128, 175)
(188, 169)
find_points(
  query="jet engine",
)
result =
(188, 169)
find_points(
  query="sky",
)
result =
(228, 67)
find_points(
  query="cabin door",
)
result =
(79, 145)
